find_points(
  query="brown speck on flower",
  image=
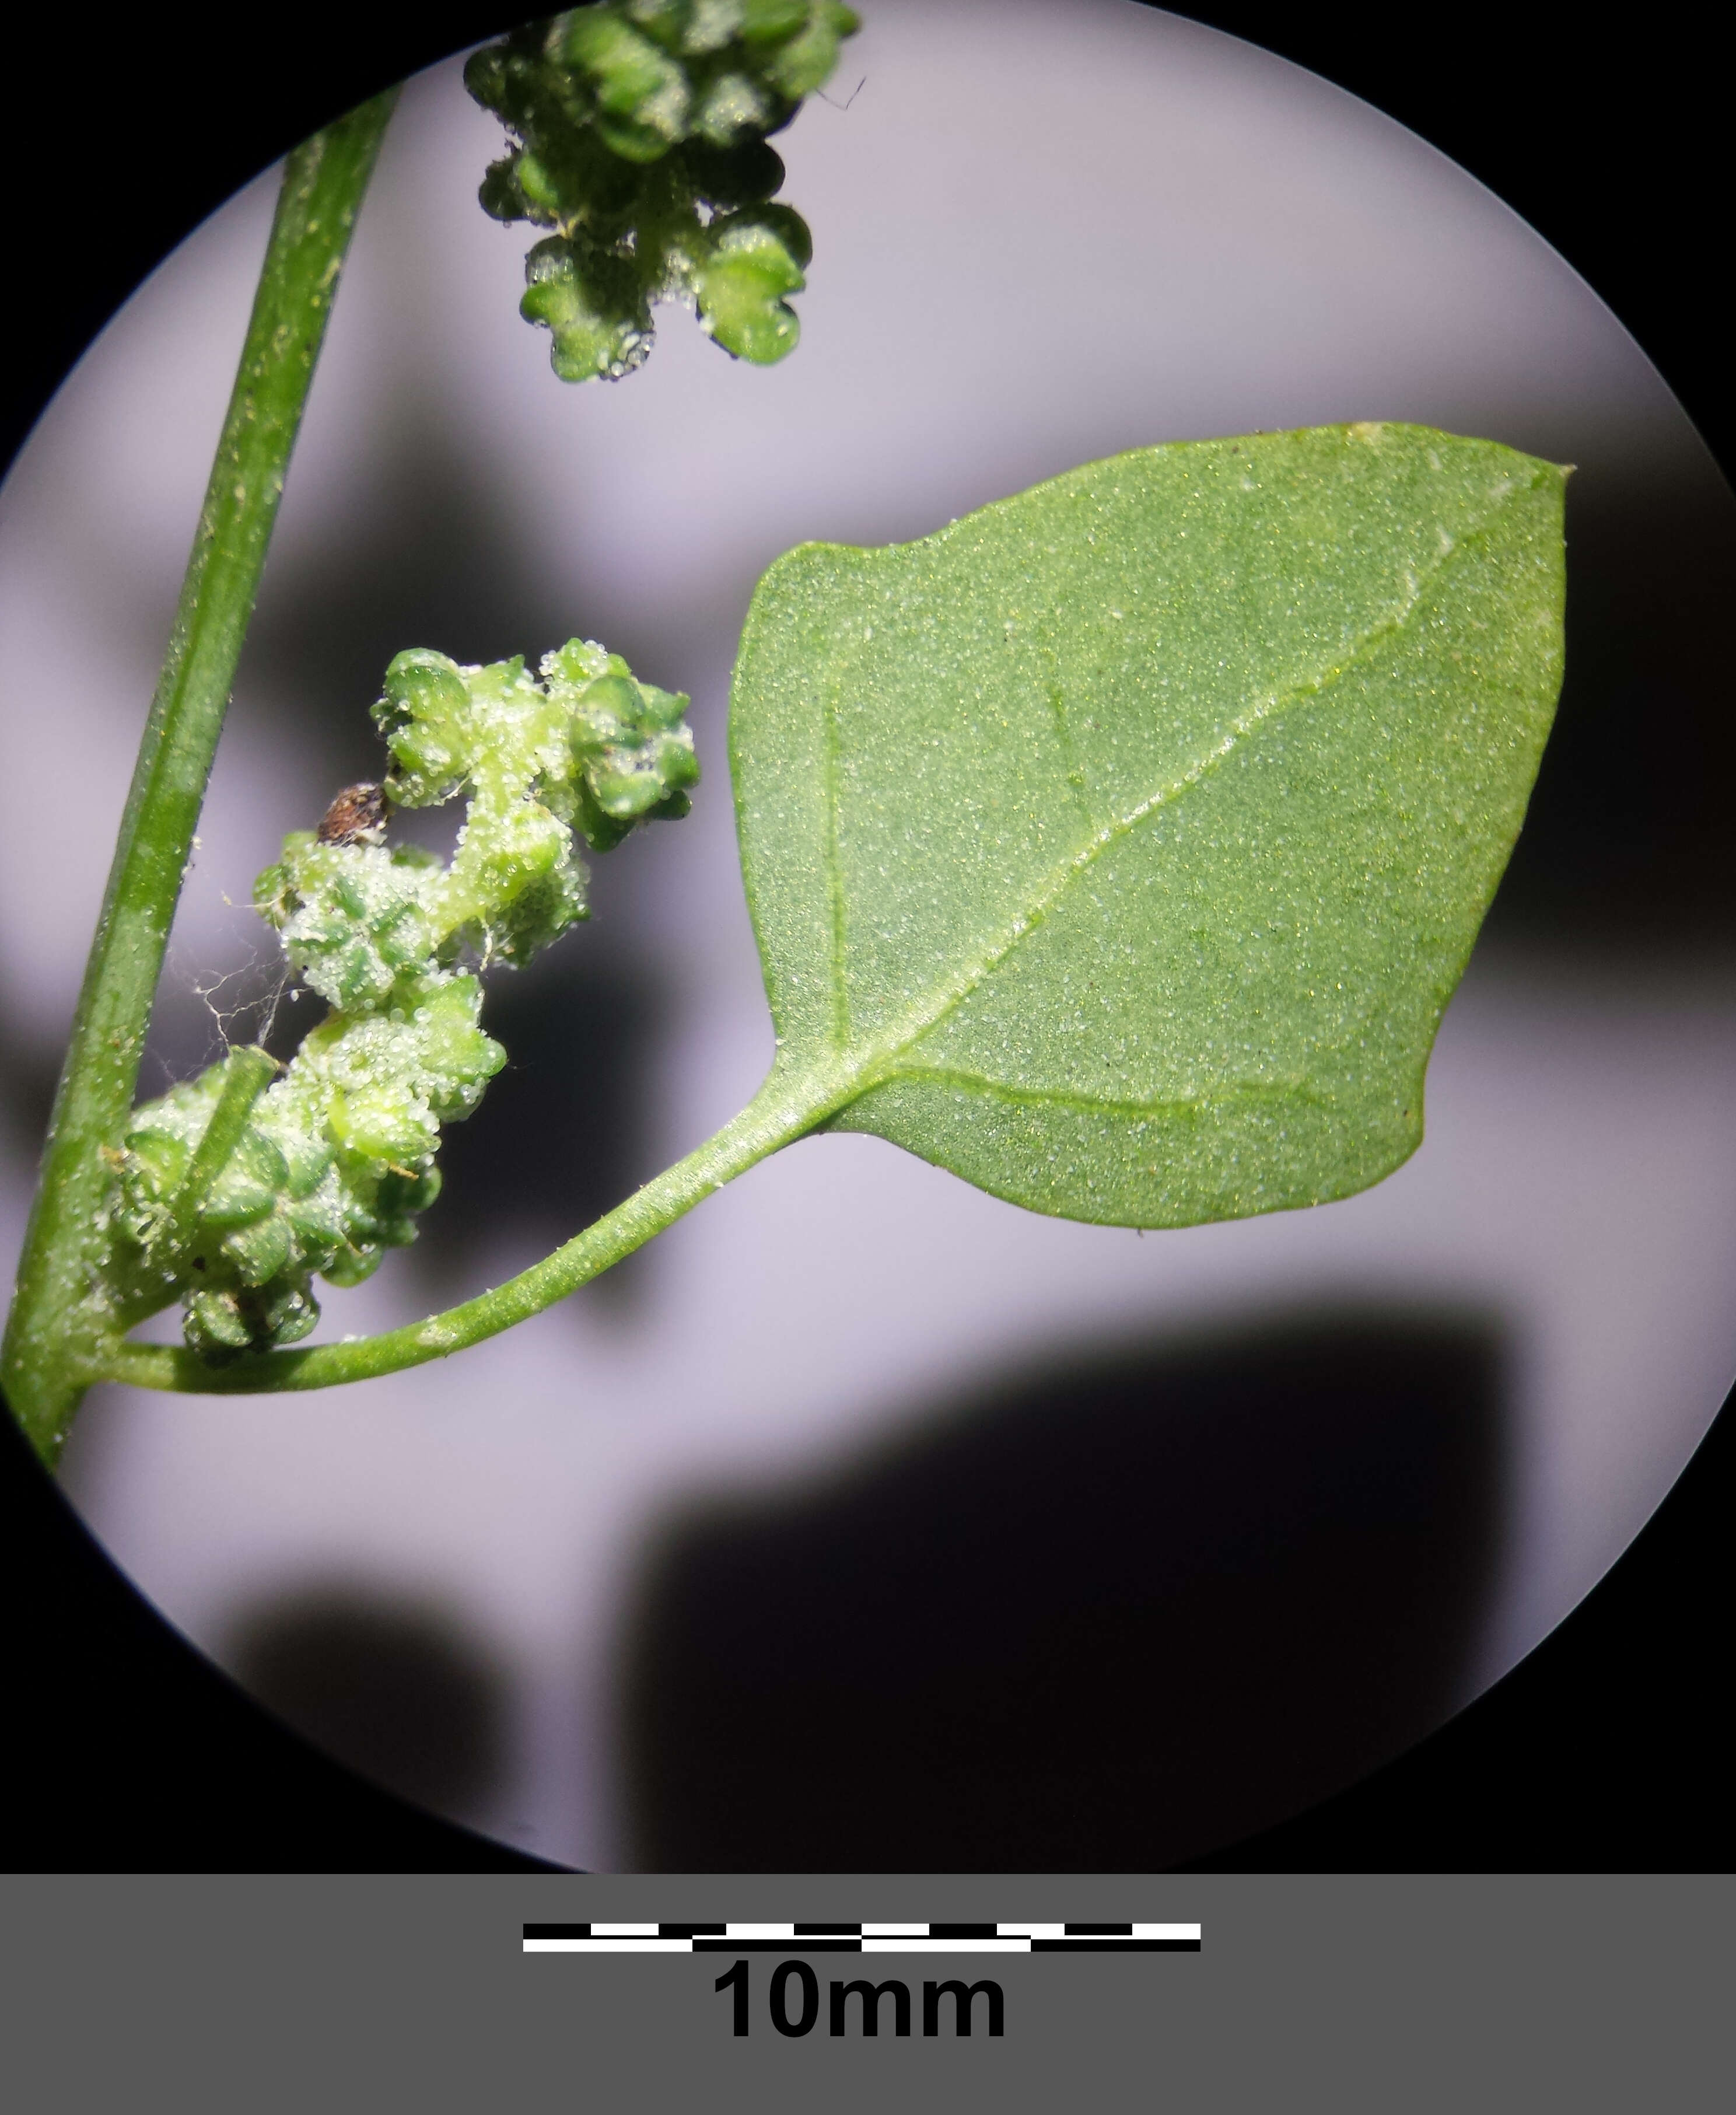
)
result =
(356, 817)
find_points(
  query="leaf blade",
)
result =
(1129, 837)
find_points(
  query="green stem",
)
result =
(59, 1318)
(787, 1108)
(247, 1073)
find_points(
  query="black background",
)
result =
(1606, 1748)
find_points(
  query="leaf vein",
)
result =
(884, 1050)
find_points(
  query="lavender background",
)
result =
(563, 1587)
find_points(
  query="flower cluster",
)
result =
(640, 130)
(235, 1189)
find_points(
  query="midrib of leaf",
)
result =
(878, 1058)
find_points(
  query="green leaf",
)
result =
(1120, 846)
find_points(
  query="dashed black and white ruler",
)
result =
(862, 1938)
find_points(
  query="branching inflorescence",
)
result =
(638, 141)
(234, 1189)
(639, 130)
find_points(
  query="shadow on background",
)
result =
(27, 1076)
(430, 556)
(1625, 843)
(559, 1138)
(398, 1691)
(1107, 1617)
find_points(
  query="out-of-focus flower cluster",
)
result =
(638, 131)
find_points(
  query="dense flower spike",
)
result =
(234, 1189)
(639, 130)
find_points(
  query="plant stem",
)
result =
(787, 1108)
(246, 1075)
(59, 1318)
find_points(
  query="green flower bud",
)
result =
(424, 713)
(804, 60)
(631, 79)
(756, 259)
(353, 918)
(597, 312)
(224, 1322)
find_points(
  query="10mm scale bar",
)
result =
(788, 1938)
